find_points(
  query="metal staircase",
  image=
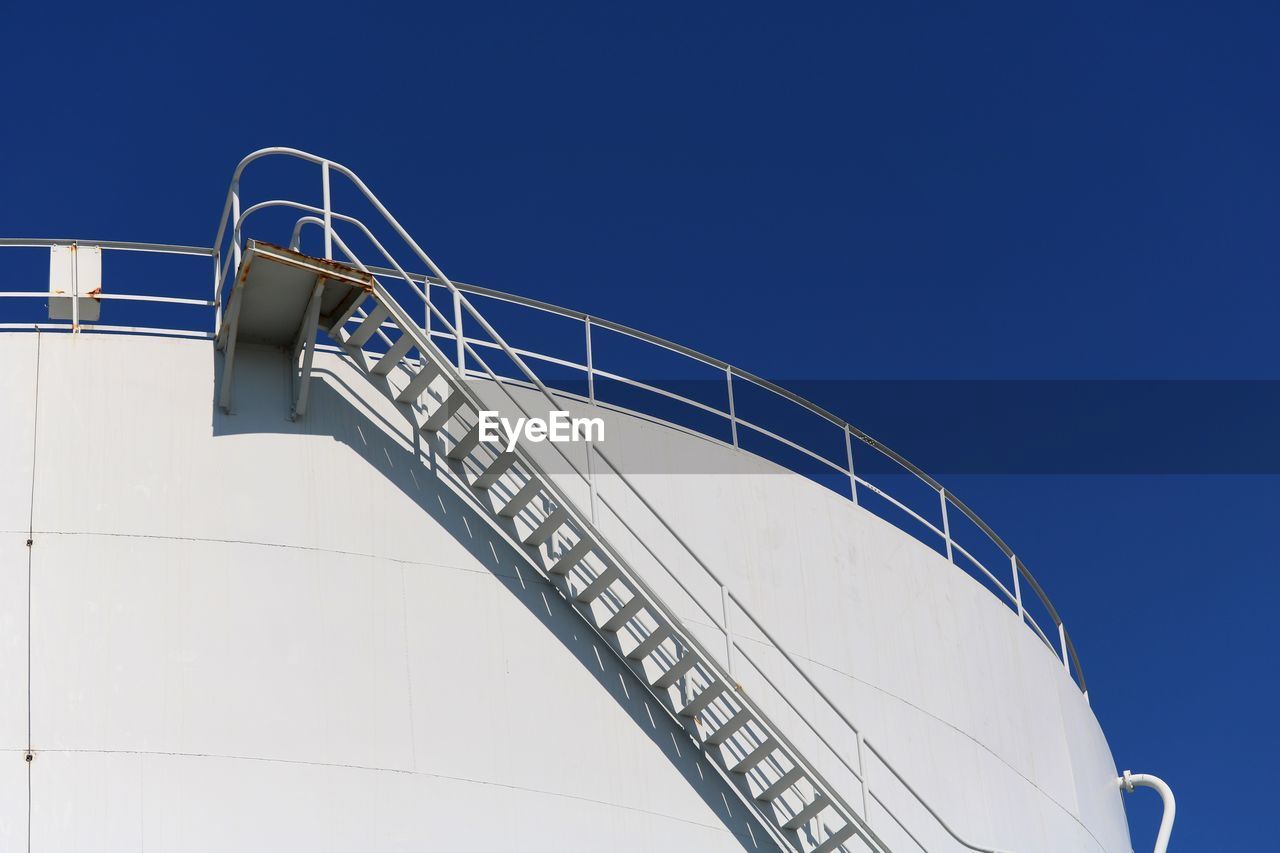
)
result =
(352, 306)
(282, 297)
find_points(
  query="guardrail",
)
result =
(421, 286)
(108, 247)
(1061, 645)
(453, 296)
(860, 776)
(939, 528)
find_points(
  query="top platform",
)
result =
(275, 287)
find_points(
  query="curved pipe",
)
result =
(1129, 781)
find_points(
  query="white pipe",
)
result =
(1146, 780)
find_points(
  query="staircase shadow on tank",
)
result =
(405, 457)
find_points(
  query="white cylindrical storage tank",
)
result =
(244, 632)
(267, 584)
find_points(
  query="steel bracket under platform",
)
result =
(282, 298)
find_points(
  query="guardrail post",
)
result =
(75, 288)
(426, 307)
(217, 297)
(728, 632)
(457, 330)
(848, 455)
(591, 482)
(1062, 640)
(328, 212)
(1017, 588)
(733, 415)
(862, 772)
(591, 445)
(946, 524)
(591, 377)
(235, 228)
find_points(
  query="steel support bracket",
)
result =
(227, 337)
(281, 298)
(305, 346)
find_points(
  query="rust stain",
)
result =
(363, 280)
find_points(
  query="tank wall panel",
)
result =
(947, 665)
(303, 625)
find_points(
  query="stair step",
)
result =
(466, 444)
(419, 382)
(625, 614)
(755, 756)
(649, 643)
(547, 526)
(780, 787)
(836, 838)
(572, 557)
(671, 676)
(347, 313)
(704, 698)
(450, 406)
(521, 498)
(808, 813)
(597, 586)
(710, 689)
(393, 355)
(368, 326)
(496, 469)
(730, 727)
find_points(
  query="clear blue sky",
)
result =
(909, 191)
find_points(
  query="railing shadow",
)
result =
(417, 467)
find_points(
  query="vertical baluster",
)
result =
(75, 288)
(1017, 588)
(862, 771)
(217, 297)
(946, 523)
(733, 415)
(457, 330)
(235, 228)
(591, 377)
(328, 213)
(591, 482)
(426, 305)
(728, 632)
(1062, 640)
(848, 454)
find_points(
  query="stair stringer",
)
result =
(768, 771)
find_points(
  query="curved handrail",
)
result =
(121, 245)
(231, 203)
(1019, 568)
(408, 327)
(467, 345)
(325, 217)
(106, 246)
(809, 406)
(822, 694)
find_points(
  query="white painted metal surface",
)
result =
(821, 611)
(424, 285)
(354, 661)
(1128, 781)
(797, 803)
